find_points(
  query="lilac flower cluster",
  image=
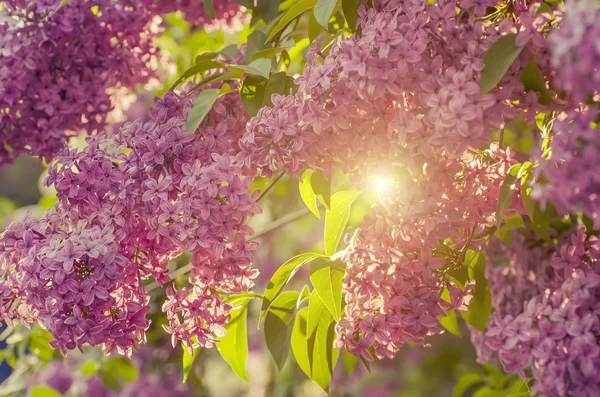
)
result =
(574, 49)
(127, 205)
(393, 280)
(58, 62)
(409, 85)
(555, 333)
(228, 13)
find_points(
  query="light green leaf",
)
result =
(350, 8)
(199, 67)
(188, 361)
(291, 14)
(322, 188)
(206, 56)
(480, 308)
(234, 345)
(229, 51)
(350, 361)
(322, 355)
(123, 368)
(215, 78)
(209, 8)
(279, 324)
(327, 277)
(299, 341)
(281, 277)
(307, 194)
(323, 11)
(259, 67)
(337, 218)
(200, 108)
(466, 382)
(267, 53)
(315, 309)
(44, 391)
(497, 60)
(450, 323)
(39, 344)
(532, 79)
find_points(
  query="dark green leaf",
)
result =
(209, 8)
(292, 13)
(199, 67)
(255, 43)
(215, 78)
(229, 51)
(481, 305)
(307, 194)
(466, 382)
(279, 83)
(337, 218)
(497, 60)
(350, 8)
(234, 345)
(110, 381)
(279, 324)
(321, 186)
(253, 93)
(206, 56)
(314, 28)
(323, 11)
(281, 277)
(507, 190)
(188, 361)
(532, 79)
(267, 10)
(326, 277)
(200, 108)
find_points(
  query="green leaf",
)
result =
(267, 53)
(314, 28)
(279, 83)
(110, 380)
(188, 361)
(337, 218)
(321, 186)
(256, 42)
(532, 79)
(466, 382)
(199, 67)
(214, 79)
(291, 14)
(323, 11)
(327, 277)
(497, 60)
(350, 361)
(267, 10)
(299, 341)
(89, 368)
(350, 8)
(281, 277)
(209, 8)
(200, 108)
(320, 349)
(315, 309)
(206, 56)
(44, 391)
(253, 93)
(234, 345)
(450, 323)
(39, 344)
(123, 368)
(230, 50)
(307, 194)
(279, 324)
(506, 192)
(259, 67)
(480, 308)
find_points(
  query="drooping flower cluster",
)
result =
(58, 63)
(408, 85)
(574, 49)
(228, 15)
(127, 205)
(573, 184)
(394, 277)
(555, 333)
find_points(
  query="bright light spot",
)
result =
(382, 184)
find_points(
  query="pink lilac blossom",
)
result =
(555, 333)
(394, 280)
(574, 49)
(58, 64)
(409, 85)
(127, 205)
(573, 185)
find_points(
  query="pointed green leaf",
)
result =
(532, 79)
(314, 28)
(267, 53)
(253, 93)
(324, 355)
(200, 108)
(188, 361)
(281, 277)
(506, 192)
(450, 323)
(307, 194)
(259, 67)
(323, 11)
(315, 309)
(480, 308)
(327, 277)
(350, 361)
(337, 218)
(201, 65)
(497, 60)
(209, 8)
(292, 13)
(299, 341)
(234, 345)
(350, 8)
(279, 324)
(322, 188)
(466, 382)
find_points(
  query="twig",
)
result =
(269, 187)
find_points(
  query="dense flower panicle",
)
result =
(555, 332)
(574, 49)
(409, 85)
(127, 205)
(229, 15)
(58, 64)
(573, 185)
(393, 280)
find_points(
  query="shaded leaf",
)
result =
(200, 108)
(253, 93)
(350, 8)
(480, 308)
(465, 383)
(532, 79)
(209, 8)
(267, 53)
(279, 325)
(506, 192)
(497, 60)
(199, 67)
(321, 186)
